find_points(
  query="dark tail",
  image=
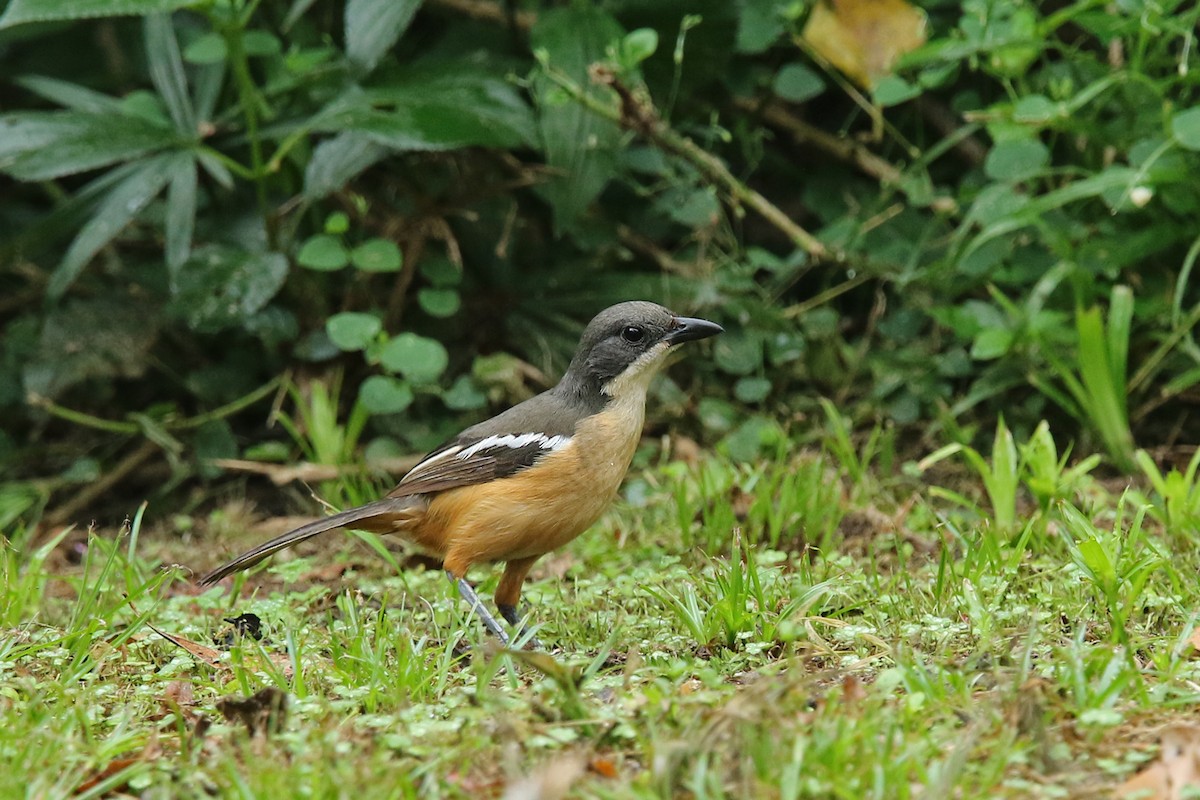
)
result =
(266, 549)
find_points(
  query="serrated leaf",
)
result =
(221, 287)
(20, 12)
(352, 330)
(324, 253)
(383, 394)
(166, 71)
(373, 26)
(119, 206)
(42, 145)
(439, 302)
(418, 358)
(181, 215)
(377, 255)
(338, 160)
(579, 145)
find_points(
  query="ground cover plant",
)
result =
(923, 522)
(729, 631)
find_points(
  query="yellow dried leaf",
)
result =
(864, 38)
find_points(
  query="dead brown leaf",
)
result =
(551, 782)
(1194, 641)
(604, 766)
(1177, 768)
(150, 752)
(864, 38)
(200, 652)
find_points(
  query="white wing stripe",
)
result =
(514, 441)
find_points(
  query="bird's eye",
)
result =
(633, 334)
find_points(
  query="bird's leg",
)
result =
(508, 593)
(485, 616)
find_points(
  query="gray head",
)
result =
(626, 344)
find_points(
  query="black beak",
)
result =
(689, 329)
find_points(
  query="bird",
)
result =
(530, 479)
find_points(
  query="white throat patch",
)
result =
(637, 376)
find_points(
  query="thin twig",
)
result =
(805, 134)
(131, 428)
(489, 12)
(90, 493)
(800, 309)
(638, 115)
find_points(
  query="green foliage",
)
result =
(200, 195)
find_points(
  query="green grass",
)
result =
(798, 628)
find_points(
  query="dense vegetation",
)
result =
(431, 199)
(942, 533)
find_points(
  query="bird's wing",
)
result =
(478, 459)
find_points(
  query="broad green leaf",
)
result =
(22, 11)
(90, 338)
(181, 214)
(892, 90)
(1033, 209)
(738, 353)
(439, 302)
(441, 271)
(637, 46)
(70, 95)
(991, 343)
(760, 23)
(580, 146)
(338, 160)
(1185, 128)
(377, 255)
(752, 390)
(221, 287)
(1016, 159)
(42, 145)
(418, 358)
(383, 394)
(259, 43)
(434, 107)
(337, 223)
(324, 253)
(464, 395)
(352, 330)
(119, 206)
(213, 440)
(208, 49)
(166, 72)
(373, 26)
(797, 83)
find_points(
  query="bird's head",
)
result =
(624, 346)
